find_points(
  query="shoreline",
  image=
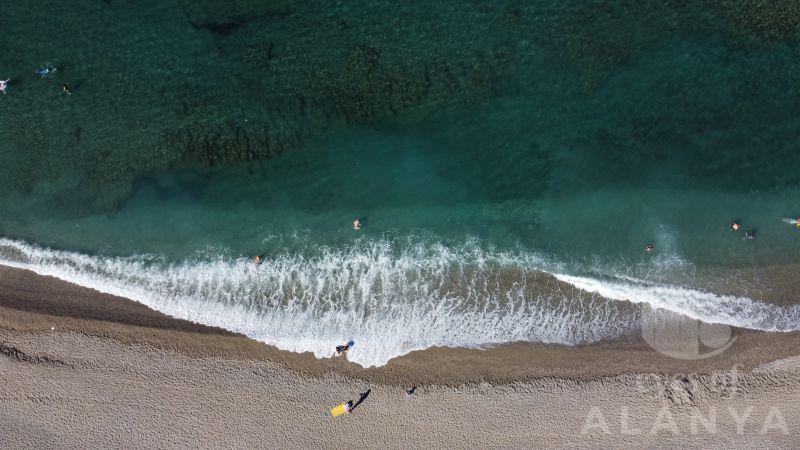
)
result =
(132, 376)
(31, 303)
(597, 310)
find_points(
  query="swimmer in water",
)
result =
(749, 236)
(257, 260)
(46, 71)
(649, 248)
(4, 85)
(735, 226)
(357, 224)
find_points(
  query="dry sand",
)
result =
(112, 373)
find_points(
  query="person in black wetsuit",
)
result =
(340, 349)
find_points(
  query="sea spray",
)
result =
(389, 299)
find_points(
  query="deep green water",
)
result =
(575, 131)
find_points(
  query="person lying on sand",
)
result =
(343, 408)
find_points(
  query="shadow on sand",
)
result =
(361, 399)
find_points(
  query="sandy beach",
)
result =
(541, 224)
(83, 369)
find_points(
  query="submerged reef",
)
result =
(772, 20)
(224, 16)
(189, 83)
(601, 36)
(360, 90)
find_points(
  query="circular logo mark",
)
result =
(681, 337)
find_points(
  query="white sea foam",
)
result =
(708, 307)
(388, 299)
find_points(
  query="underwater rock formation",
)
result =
(226, 15)
(204, 82)
(601, 36)
(773, 20)
(361, 90)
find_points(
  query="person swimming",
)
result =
(65, 89)
(46, 70)
(649, 248)
(735, 226)
(257, 260)
(357, 224)
(749, 236)
(4, 86)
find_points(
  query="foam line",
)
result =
(388, 299)
(708, 307)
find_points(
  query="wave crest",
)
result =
(389, 299)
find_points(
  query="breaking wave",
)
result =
(390, 298)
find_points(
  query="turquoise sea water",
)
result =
(482, 144)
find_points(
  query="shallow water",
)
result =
(481, 144)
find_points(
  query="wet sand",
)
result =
(81, 368)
